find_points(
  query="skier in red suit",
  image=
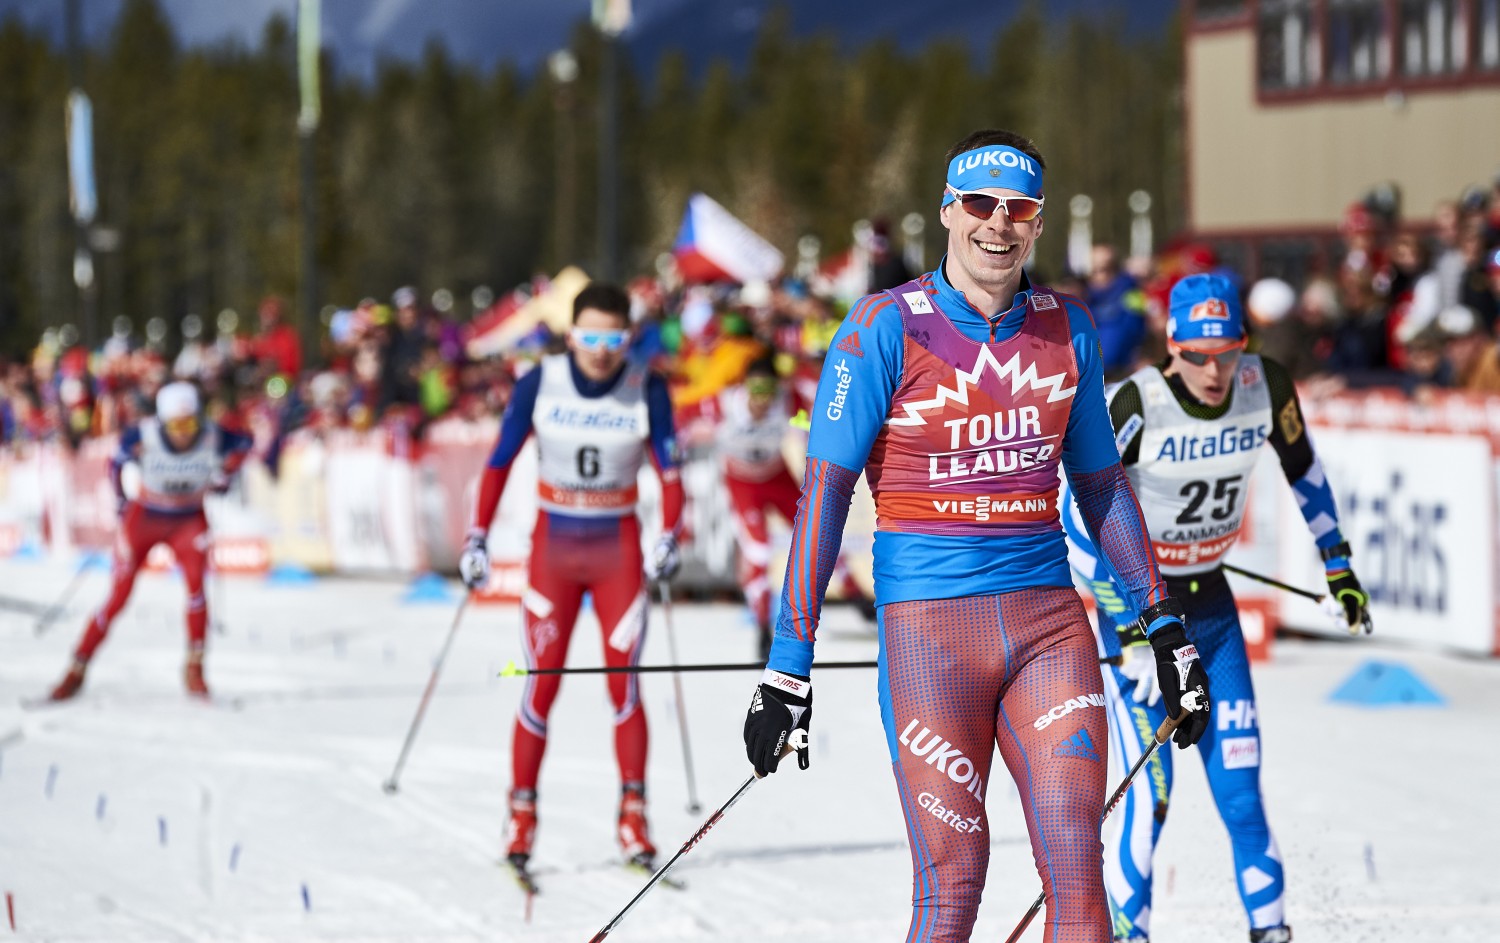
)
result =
(181, 457)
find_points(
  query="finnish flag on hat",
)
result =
(1205, 306)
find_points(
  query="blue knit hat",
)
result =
(1205, 306)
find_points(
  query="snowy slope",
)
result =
(1386, 817)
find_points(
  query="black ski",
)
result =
(520, 871)
(646, 866)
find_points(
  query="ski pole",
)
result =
(390, 784)
(218, 600)
(797, 741)
(26, 606)
(1294, 590)
(513, 670)
(694, 807)
(1331, 606)
(1189, 703)
(56, 609)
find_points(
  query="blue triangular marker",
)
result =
(1383, 684)
(93, 560)
(289, 574)
(29, 550)
(428, 588)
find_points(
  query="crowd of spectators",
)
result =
(1414, 309)
(1410, 308)
(1403, 308)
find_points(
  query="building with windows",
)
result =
(1297, 108)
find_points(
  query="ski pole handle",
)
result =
(1189, 705)
(797, 741)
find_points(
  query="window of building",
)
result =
(1487, 34)
(1288, 45)
(1213, 11)
(1356, 52)
(1430, 38)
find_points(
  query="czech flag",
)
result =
(714, 246)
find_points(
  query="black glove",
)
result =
(1344, 587)
(1178, 671)
(782, 703)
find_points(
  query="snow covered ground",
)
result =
(135, 814)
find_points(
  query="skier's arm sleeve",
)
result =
(848, 412)
(664, 452)
(1299, 461)
(1106, 501)
(1128, 418)
(1089, 566)
(515, 427)
(128, 451)
(234, 448)
(816, 533)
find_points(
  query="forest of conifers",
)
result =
(435, 173)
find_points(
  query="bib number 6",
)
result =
(588, 462)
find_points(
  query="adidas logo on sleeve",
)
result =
(851, 345)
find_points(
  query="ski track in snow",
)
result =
(1386, 818)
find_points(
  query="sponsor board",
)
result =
(240, 555)
(507, 583)
(1418, 511)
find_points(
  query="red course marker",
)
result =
(10, 910)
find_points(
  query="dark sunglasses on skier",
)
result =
(1198, 357)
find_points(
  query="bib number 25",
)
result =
(1226, 495)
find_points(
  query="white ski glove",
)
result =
(1334, 610)
(1139, 665)
(474, 562)
(665, 559)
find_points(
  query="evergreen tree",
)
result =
(433, 174)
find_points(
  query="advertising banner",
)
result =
(371, 506)
(1418, 511)
(23, 508)
(1417, 485)
(294, 504)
